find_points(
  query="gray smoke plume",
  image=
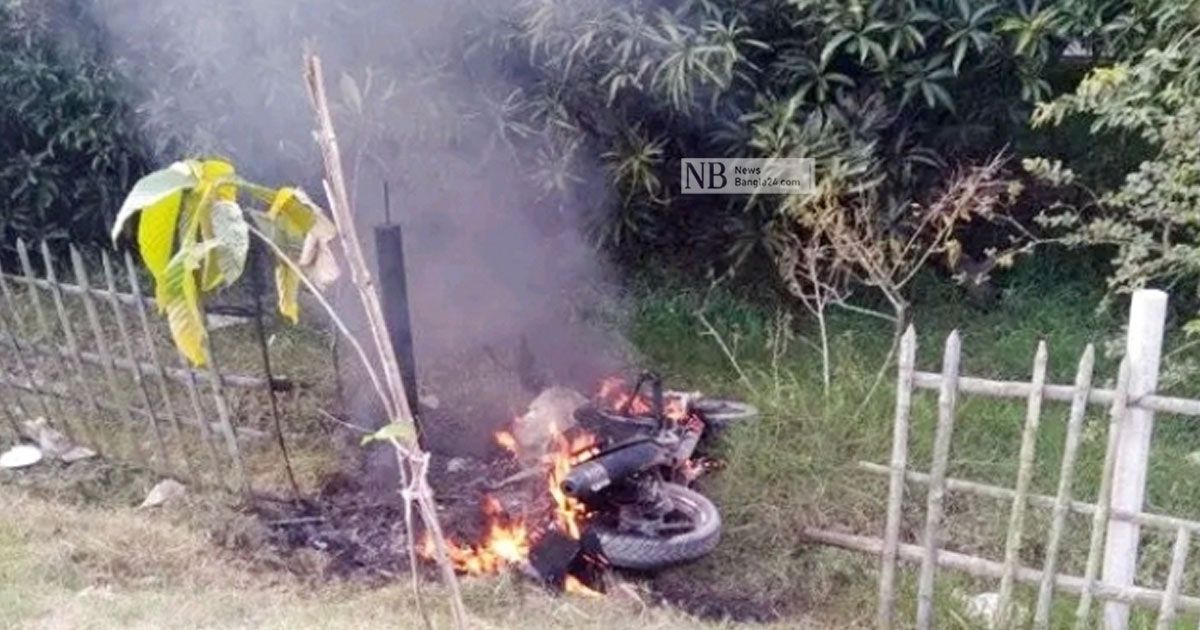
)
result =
(429, 100)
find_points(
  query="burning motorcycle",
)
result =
(636, 485)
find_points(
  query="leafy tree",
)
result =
(193, 234)
(1151, 219)
(68, 149)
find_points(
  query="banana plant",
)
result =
(195, 219)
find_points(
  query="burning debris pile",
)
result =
(582, 485)
(602, 482)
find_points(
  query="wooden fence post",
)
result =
(899, 466)
(1143, 350)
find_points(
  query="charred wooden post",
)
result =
(393, 289)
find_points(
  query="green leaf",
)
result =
(152, 190)
(156, 233)
(296, 213)
(831, 47)
(232, 235)
(287, 285)
(403, 433)
(181, 301)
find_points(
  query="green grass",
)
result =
(796, 466)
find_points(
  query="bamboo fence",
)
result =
(89, 360)
(1106, 514)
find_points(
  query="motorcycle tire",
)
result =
(639, 552)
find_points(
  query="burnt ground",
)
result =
(355, 522)
(359, 533)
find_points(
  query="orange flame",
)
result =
(509, 541)
(574, 586)
(506, 542)
(566, 452)
(506, 440)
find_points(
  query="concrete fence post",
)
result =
(1143, 351)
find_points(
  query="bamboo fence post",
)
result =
(1179, 554)
(1066, 478)
(891, 537)
(127, 344)
(16, 393)
(101, 340)
(1103, 497)
(1145, 519)
(223, 416)
(68, 333)
(983, 568)
(10, 329)
(1016, 520)
(947, 400)
(189, 381)
(13, 331)
(42, 325)
(1143, 348)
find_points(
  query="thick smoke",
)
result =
(428, 101)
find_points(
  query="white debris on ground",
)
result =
(164, 492)
(552, 412)
(217, 322)
(983, 608)
(1194, 458)
(20, 456)
(53, 443)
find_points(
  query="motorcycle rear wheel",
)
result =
(629, 550)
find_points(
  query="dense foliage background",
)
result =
(68, 149)
(917, 112)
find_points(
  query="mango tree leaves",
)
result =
(194, 237)
(154, 189)
(232, 234)
(403, 433)
(297, 216)
(181, 301)
(287, 285)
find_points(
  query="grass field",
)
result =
(796, 467)
(88, 564)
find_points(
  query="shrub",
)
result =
(67, 151)
(1150, 219)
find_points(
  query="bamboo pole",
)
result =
(13, 424)
(127, 344)
(979, 567)
(188, 380)
(1041, 501)
(1101, 514)
(10, 328)
(117, 395)
(394, 397)
(1179, 554)
(891, 538)
(1063, 393)
(64, 323)
(44, 330)
(224, 418)
(1066, 479)
(180, 375)
(1016, 520)
(13, 331)
(947, 401)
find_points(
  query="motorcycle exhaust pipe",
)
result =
(596, 474)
